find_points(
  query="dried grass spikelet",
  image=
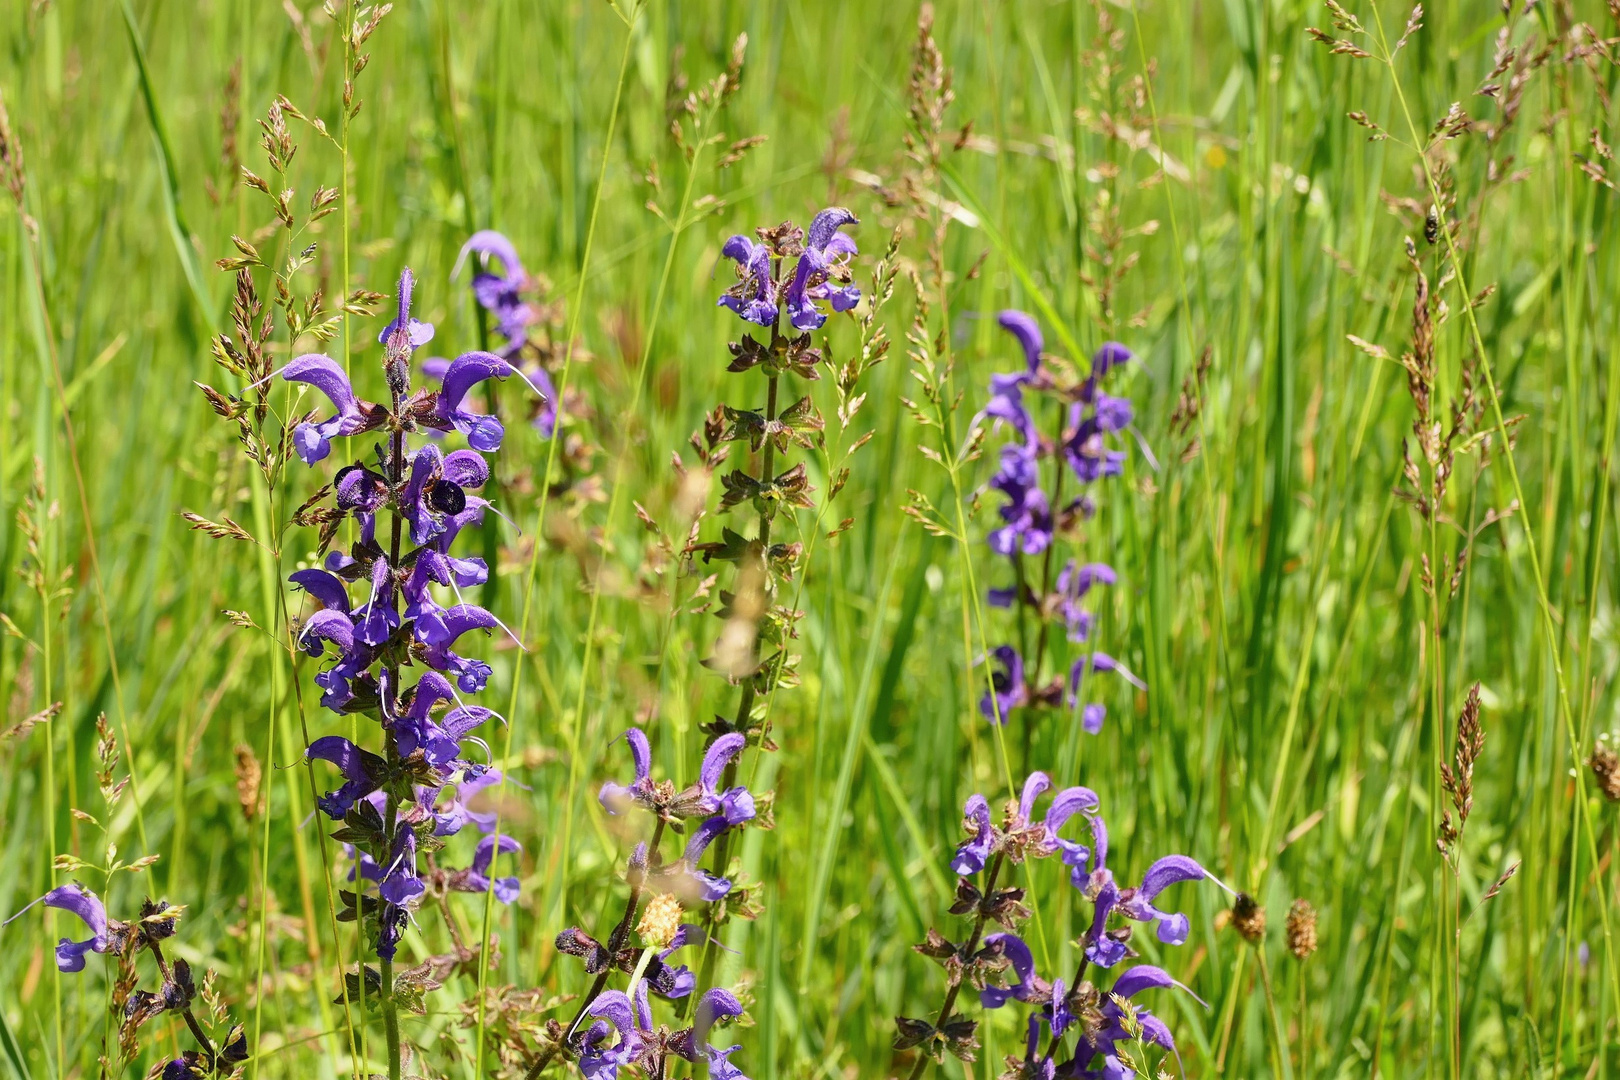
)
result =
(248, 775)
(660, 921)
(1301, 929)
(1248, 917)
(735, 654)
(1458, 778)
(1605, 764)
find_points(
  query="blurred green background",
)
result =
(1270, 582)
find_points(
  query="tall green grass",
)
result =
(1301, 694)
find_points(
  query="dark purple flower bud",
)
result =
(360, 489)
(416, 334)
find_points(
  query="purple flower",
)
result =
(313, 440)
(685, 876)
(477, 879)
(362, 770)
(1111, 355)
(1086, 452)
(1092, 715)
(82, 902)
(1022, 326)
(1028, 988)
(483, 431)
(399, 884)
(441, 632)
(1137, 903)
(974, 852)
(415, 334)
(825, 261)
(457, 814)
(616, 798)
(704, 798)
(1007, 685)
(1028, 518)
(378, 617)
(717, 1004)
(501, 294)
(1073, 583)
(1106, 1043)
(600, 1062)
(753, 297)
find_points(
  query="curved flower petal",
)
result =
(1022, 326)
(719, 755)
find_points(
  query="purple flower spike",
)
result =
(483, 432)
(416, 334)
(82, 902)
(1023, 327)
(1007, 682)
(754, 296)
(313, 440)
(825, 260)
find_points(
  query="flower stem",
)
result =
(967, 950)
(615, 942)
(191, 1019)
(745, 701)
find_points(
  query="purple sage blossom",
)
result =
(825, 262)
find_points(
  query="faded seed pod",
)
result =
(1605, 763)
(1249, 917)
(660, 921)
(1301, 929)
(248, 775)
